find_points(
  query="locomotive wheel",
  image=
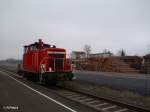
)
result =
(23, 75)
(49, 80)
(70, 78)
(41, 79)
(34, 77)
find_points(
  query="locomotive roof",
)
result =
(46, 45)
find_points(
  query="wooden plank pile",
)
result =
(105, 64)
(146, 64)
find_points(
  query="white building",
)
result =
(78, 55)
(107, 54)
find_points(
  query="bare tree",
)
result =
(121, 52)
(148, 48)
(105, 51)
(87, 49)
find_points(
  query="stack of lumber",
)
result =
(106, 64)
(133, 61)
(145, 68)
(146, 64)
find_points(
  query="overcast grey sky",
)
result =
(103, 24)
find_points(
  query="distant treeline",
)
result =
(10, 61)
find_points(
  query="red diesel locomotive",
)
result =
(45, 63)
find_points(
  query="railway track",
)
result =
(99, 104)
(90, 101)
(110, 105)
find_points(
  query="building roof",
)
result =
(146, 56)
(129, 57)
(101, 53)
(78, 52)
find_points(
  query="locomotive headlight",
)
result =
(50, 69)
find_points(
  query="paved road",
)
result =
(26, 96)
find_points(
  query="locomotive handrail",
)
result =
(41, 73)
(42, 62)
